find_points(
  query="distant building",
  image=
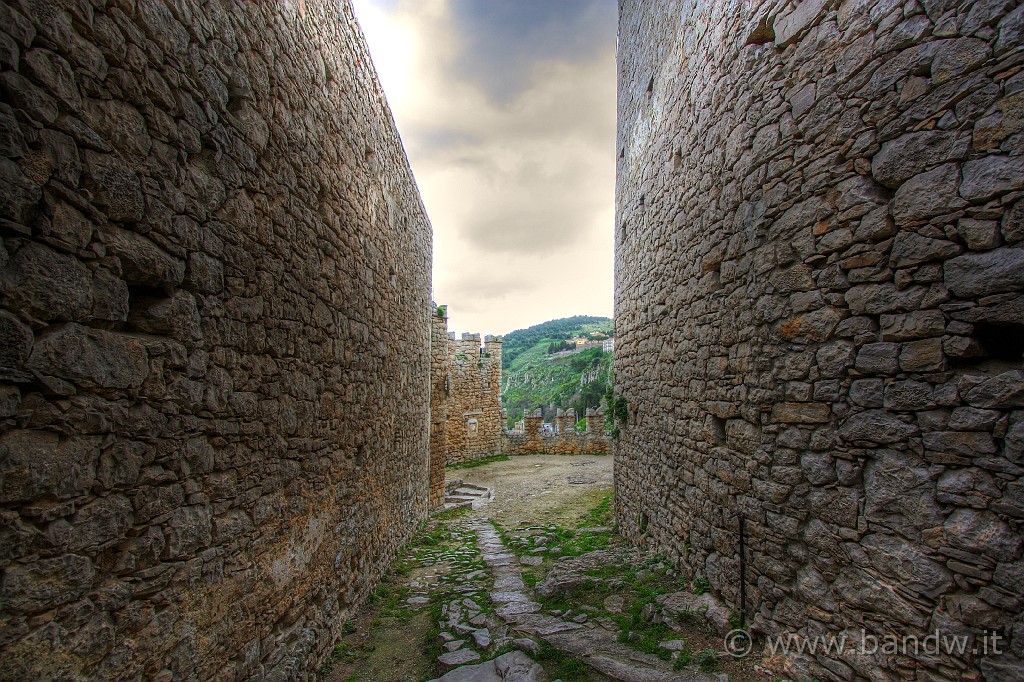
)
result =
(580, 340)
(609, 345)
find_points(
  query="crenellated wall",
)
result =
(474, 423)
(214, 338)
(562, 440)
(820, 316)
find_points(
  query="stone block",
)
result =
(918, 324)
(115, 187)
(800, 413)
(902, 158)
(980, 235)
(48, 284)
(897, 559)
(908, 396)
(963, 443)
(876, 426)
(142, 261)
(973, 419)
(880, 298)
(878, 358)
(15, 345)
(928, 194)
(974, 275)
(867, 392)
(46, 583)
(991, 176)
(90, 357)
(922, 356)
(982, 532)
(188, 531)
(37, 463)
(910, 248)
(1001, 391)
(19, 196)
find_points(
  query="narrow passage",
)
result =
(523, 578)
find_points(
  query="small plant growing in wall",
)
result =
(616, 412)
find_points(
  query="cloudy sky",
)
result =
(507, 112)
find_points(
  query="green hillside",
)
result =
(535, 375)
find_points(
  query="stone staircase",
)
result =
(458, 494)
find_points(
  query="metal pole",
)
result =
(743, 572)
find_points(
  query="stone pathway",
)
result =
(570, 633)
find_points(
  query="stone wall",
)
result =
(215, 344)
(439, 389)
(475, 423)
(563, 440)
(819, 314)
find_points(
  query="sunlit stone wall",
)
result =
(819, 315)
(214, 337)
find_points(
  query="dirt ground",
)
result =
(541, 489)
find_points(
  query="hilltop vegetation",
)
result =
(521, 340)
(533, 377)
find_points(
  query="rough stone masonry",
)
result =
(214, 337)
(820, 315)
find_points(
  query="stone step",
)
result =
(461, 498)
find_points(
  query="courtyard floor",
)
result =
(533, 585)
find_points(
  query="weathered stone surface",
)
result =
(859, 588)
(964, 443)
(1002, 391)
(901, 561)
(910, 248)
(876, 426)
(982, 274)
(568, 573)
(47, 583)
(982, 532)
(922, 356)
(215, 344)
(457, 658)
(928, 194)
(972, 419)
(15, 343)
(91, 357)
(514, 666)
(900, 159)
(789, 25)
(47, 284)
(800, 413)
(878, 358)
(18, 195)
(990, 176)
(142, 261)
(909, 396)
(176, 316)
(980, 235)
(41, 463)
(883, 298)
(875, 205)
(918, 324)
(898, 493)
(116, 188)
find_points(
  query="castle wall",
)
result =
(564, 440)
(214, 344)
(439, 389)
(819, 315)
(475, 423)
